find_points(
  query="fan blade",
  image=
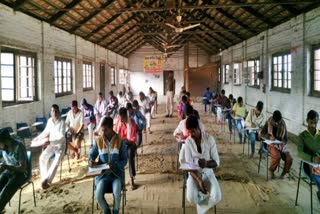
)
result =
(191, 26)
(170, 25)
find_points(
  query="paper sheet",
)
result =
(37, 143)
(187, 166)
(98, 168)
(272, 142)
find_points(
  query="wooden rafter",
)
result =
(59, 14)
(92, 15)
(19, 3)
(128, 52)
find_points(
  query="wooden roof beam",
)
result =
(137, 46)
(235, 20)
(129, 42)
(18, 4)
(120, 37)
(93, 14)
(131, 45)
(58, 15)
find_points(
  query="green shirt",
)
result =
(309, 145)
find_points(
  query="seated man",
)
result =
(145, 109)
(126, 128)
(100, 108)
(74, 126)
(139, 119)
(200, 148)
(56, 146)
(239, 110)
(255, 119)
(181, 131)
(89, 118)
(275, 129)
(309, 147)
(113, 104)
(206, 98)
(13, 169)
(112, 150)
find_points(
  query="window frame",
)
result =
(16, 69)
(256, 70)
(123, 76)
(63, 59)
(277, 88)
(112, 75)
(313, 92)
(234, 74)
(85, 80)
(226, 76)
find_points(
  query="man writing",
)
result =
(126, 128)
(56, 145)
(113, 151)
(201, 149)
(13, 170)
(275, 129)
(309, 147)
(74, 127)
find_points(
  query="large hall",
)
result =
(165, 107)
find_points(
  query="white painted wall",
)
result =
(20, 31)
(296, 35)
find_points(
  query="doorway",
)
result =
(165, 78)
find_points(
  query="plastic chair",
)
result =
(306, 178)
(10, 130)
(28, 179)
(41, 127)
(25, 133)
(64, 155)
(109, 190)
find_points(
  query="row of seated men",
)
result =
(199, 148)
(60, 134)
(113, 149)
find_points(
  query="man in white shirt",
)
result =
(56, 145)
(100, 108)
(201, 150)
(145, 109)
(74, 127)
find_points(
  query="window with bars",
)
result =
(253, 69)
(62, 76)
(237, 70)
(226, 73)
(281, 72)
(113, 75)
(18, 76)
(87, 70)
(315, 71)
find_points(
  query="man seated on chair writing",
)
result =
(201, 149)
(56, 145)
(275, 129)
(126, 128)
(74, 127)
(13, 169)
(111, 150)
(309, 147)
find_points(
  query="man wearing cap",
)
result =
(89, 119)
(13, 169)
(74, 126)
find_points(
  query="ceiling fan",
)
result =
(181, 29)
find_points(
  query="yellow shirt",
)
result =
(239, 111)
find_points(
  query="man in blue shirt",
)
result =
(113, 151)
(13, 168)
(206, 98)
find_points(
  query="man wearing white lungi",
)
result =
(200, 149)
(56, 145)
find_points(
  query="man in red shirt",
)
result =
(127, 130)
